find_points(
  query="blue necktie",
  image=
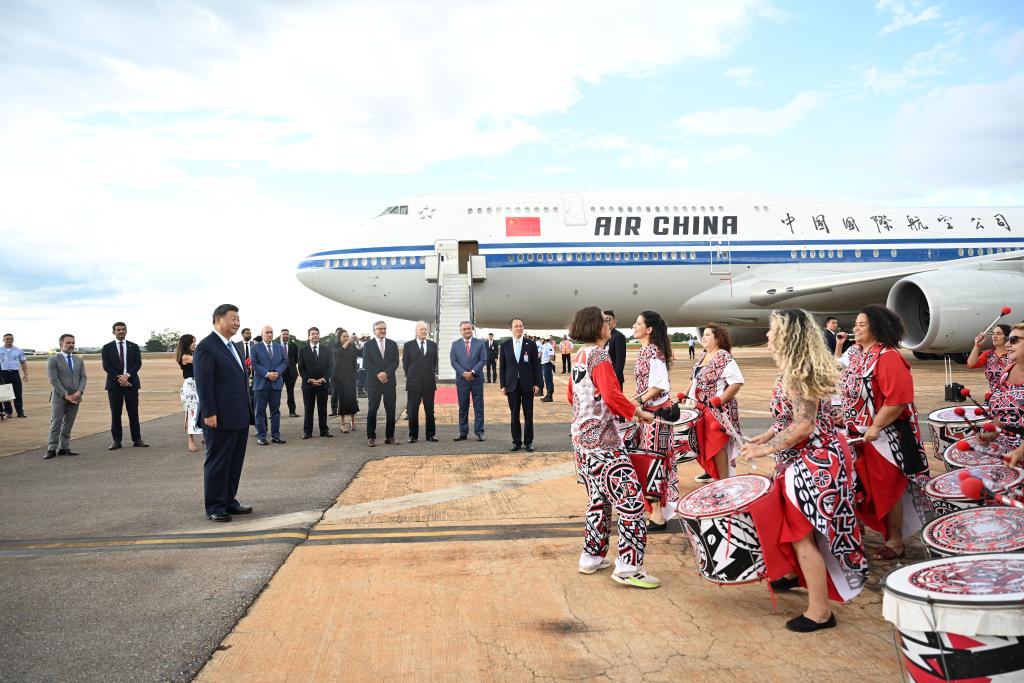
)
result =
(519, 349)
(70, 367)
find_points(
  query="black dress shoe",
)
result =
(802, 624)
(307, 436)
(262, 442)
(371, 442)
(480, 437)
(23, 415)
(530, 448)
(515, 447)
(327, 435)
(331, 414)
(278, 440)
(654, 527)
(460, 437)
(240, 510)
(391, 442)
(432, 438)
(114, 446)
(50, 454)
(62, 451)
(413, 439)
(140, 444)
(293, 414)
(219, 517)
(786, 583)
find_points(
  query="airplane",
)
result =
(692, 257)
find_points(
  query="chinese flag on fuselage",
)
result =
(522, 227)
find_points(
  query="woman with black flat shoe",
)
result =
(810, 508)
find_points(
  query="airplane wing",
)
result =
(807, 284)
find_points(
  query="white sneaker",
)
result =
(703, 478)
(603, 564)
(638, 578)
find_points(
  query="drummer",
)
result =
(1006, 404)
(811, 464)
(716, 374)
(995, 360)
(653, 394)
(878, 404)
(601, 459)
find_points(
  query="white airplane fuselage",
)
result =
(691, 257)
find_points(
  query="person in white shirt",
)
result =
(547, 366)
(716, 374)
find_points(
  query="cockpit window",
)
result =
(403, 210)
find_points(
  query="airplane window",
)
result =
(676, 209)
(664, 256)
(874, 252)
(404, 210)
(693, 256)
(856, 252)
(469, 210)
(554, 209)
(529, 258)
(657, 209)
(559, 257)
(710, 209)
(636, 256)
(831, 254)
(702, 209)
(811, 253)
(620, 209)
(591, 209)
(792, 254)
(403, 260)
(488, 209)
(546, 209)
(420, 260)
(803, 253)
(568, 258)
(675, 255)
(892, 252)
(518, 209)
(684, 209)
(821, 253)
(362, 262)
(551, 257)
(392, 260)
(839, 253)
(720, 209)
(590, 257)
(764, 208)
(757, 208)
(509, 258)
(479, 210)
(645, 256)
(960, 252)
(970, 252)
(693, 209)
(373, 261)
(520, 258)
(617, 256)
(648, 209)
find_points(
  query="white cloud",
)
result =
(750, 120)
(918, 70)
(742, 76)
(963, 136)
(1012, 50)
(553, 170)
(902, 16)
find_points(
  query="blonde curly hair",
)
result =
(808, 369)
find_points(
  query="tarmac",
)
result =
(434, 561)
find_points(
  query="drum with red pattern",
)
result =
(979, 454)
(684, 436)
(946, 496)
(947, 427)
(973, 531)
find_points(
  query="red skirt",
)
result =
(883, 486)
(711, 439)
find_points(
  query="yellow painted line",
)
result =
(149, 541)
(409, 534)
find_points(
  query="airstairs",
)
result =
(454, 274)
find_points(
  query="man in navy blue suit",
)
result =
(468, 357)
(520, 376)
(222, 382)
(269, 363)
(122, 360)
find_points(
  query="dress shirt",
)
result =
(11, 358)
(69, 361)
(234, 351)
(122, 345)
(547, 353)
(517, 346)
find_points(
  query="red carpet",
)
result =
(446, 396)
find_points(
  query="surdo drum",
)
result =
(946, 496)
(721, 531)
(995, 529)
(684, 436)
(980, 454)
(947, 427)
(959, 618)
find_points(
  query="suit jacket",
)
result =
(830, 340)
(374, 363)
(222, 385)
(62, 380)
(474, 361)
(320, 366)
(492, 350)
(420, 369)
(112, 363)
(293, 359)
(240, 345)
(519, 373)
(262, 363)
(617, 353)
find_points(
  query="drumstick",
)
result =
(960, 411)
(1004, 311)
(966, 393)
(975, 489)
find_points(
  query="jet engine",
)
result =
(943, 310)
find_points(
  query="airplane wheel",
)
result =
(924, 356)
(959, 358)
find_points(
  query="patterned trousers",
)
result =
(611, 481)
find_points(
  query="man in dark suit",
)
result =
(419, 363)
(468, 356)
(268, 366)
(122, 361)
(829, 333)
(492, 358)
(222, 382)
(291, 352)
(316, 364)
(616, 347)
(520, 377)
(245, 351)
(380, 358)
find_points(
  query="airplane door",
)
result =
(466, 251)
(721, 257)
(448, 252)
(572, 209)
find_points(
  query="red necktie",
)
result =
(120, 348)
(467, 348)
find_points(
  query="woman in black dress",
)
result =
(344, 381)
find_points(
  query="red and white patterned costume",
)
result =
(994, 364)
(601, 460)
(1007, 405)
(812, 491)
(894, 466)
(711, 376)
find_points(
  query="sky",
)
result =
(160, 158)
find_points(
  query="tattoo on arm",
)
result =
(803, 411)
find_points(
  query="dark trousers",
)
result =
(289, 384)
(124, 398)
(549, 377)
(268, 398)
(335, 397)
(314, 396)
(466, 391)
(12, 377)
(566, 363)
(361, 380)
(521, 398)
(691, 351)
(225, 453)
(492, 370)
(413, 409)
(375, 391)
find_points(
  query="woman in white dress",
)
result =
(189, 396)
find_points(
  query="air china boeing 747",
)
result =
(692, 257)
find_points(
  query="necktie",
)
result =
(247, 350)
(423, 348)
(519, 349)
(467, 347)
(380, 345)
(120, 347)
(270, 352)
(71, 367)
(315, 354)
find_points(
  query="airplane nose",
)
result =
(305, 277)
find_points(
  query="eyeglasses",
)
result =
(1012, 340)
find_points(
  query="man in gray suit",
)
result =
(67, 379)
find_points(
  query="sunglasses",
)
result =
(1012, 340)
